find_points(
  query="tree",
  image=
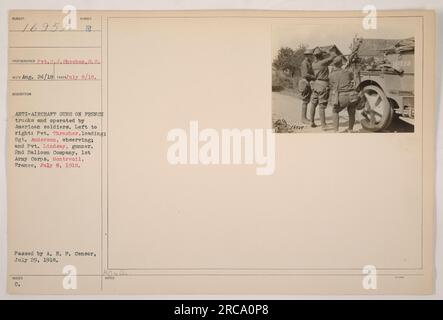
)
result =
(289, 59)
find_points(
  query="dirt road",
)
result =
(285, 105)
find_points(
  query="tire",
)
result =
(378, 112)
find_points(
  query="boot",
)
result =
(313, 125)
(304, 110)
(322, 118)
(351, 123)
(335, 121)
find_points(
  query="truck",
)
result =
(384, 72)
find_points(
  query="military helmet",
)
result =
(317, 51)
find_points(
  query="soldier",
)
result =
(343, 94)
(304, 86)
(320, 93)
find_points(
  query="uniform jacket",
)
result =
(320, 68)
(306, 70)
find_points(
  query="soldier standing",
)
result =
(304, 86)
(320, 93)
(343, 94)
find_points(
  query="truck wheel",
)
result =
(377, 113)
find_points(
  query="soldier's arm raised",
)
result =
(328, 60)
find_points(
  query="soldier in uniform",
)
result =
(304, 86)
(343, 94)
(320, 93)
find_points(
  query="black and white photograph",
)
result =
(342, 78)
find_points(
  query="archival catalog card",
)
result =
(221, 152)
